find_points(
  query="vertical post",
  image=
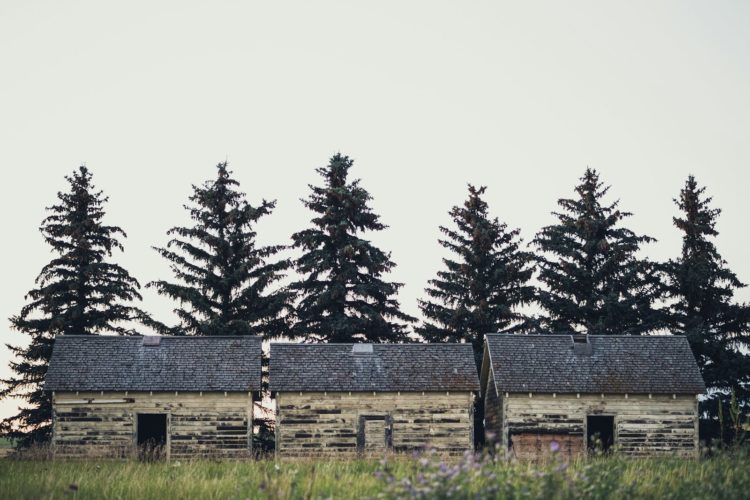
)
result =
(169, 436)
(504, 423)
(471, 421)
(696, 438)
(54, 421)
(615, 431)
(250, 424)
(277, 428)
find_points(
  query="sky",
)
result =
(425, 96)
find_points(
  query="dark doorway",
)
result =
(600, 432)
(375, 434)
(152, 435)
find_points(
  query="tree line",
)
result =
(585, 274)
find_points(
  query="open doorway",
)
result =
(374, 435)
(152, 435)
(600, 431)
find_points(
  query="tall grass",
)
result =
(421, 477)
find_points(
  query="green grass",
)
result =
(602, 478)
(5, 443)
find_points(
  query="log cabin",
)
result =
(573, 394)
(172, 397)
(346, 400)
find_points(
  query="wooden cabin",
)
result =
(636, 395)
(344, 400)
(173, 397)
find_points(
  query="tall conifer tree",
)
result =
(223, 277)
(704, 309)
(482, 287)
(224, 280)
(594, 280)
(342, 296)
(80, 292)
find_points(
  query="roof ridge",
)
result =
(562, 335)
(106, 336)
(336, 344)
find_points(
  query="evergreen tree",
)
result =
(595, 281)
(78, 293)
(222, 276)
(343, 297)
(704, 309)
(480, 290)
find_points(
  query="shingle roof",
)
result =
(114, 363)
(607, 364)
(387, 367)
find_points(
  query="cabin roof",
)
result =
(373, 367)
(135, 363)
(591, 364)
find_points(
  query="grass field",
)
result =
(408, 478)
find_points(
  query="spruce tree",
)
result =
(225, 282)
(480, 289)
(223, 279)
(342, 296)
(594, 281)
(703, 308)
(80, 292)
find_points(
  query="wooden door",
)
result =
(375, 436)
(534, 446)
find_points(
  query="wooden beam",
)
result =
(92, 401)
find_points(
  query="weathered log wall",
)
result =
(493, 413)
(643, 425)
(329, 424)
(90, 424)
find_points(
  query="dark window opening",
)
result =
(600, 432)
(152, 435)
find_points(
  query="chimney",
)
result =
(361, 349)
(581, 345)
(151, 340)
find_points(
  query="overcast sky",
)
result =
(425, 96)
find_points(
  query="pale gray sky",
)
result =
(426, 96)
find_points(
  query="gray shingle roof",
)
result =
(607, 364)
(109, 363)
(388, 367)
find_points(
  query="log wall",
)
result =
(493, 413)
(643, 425)
(89, 424)
(348, 424)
